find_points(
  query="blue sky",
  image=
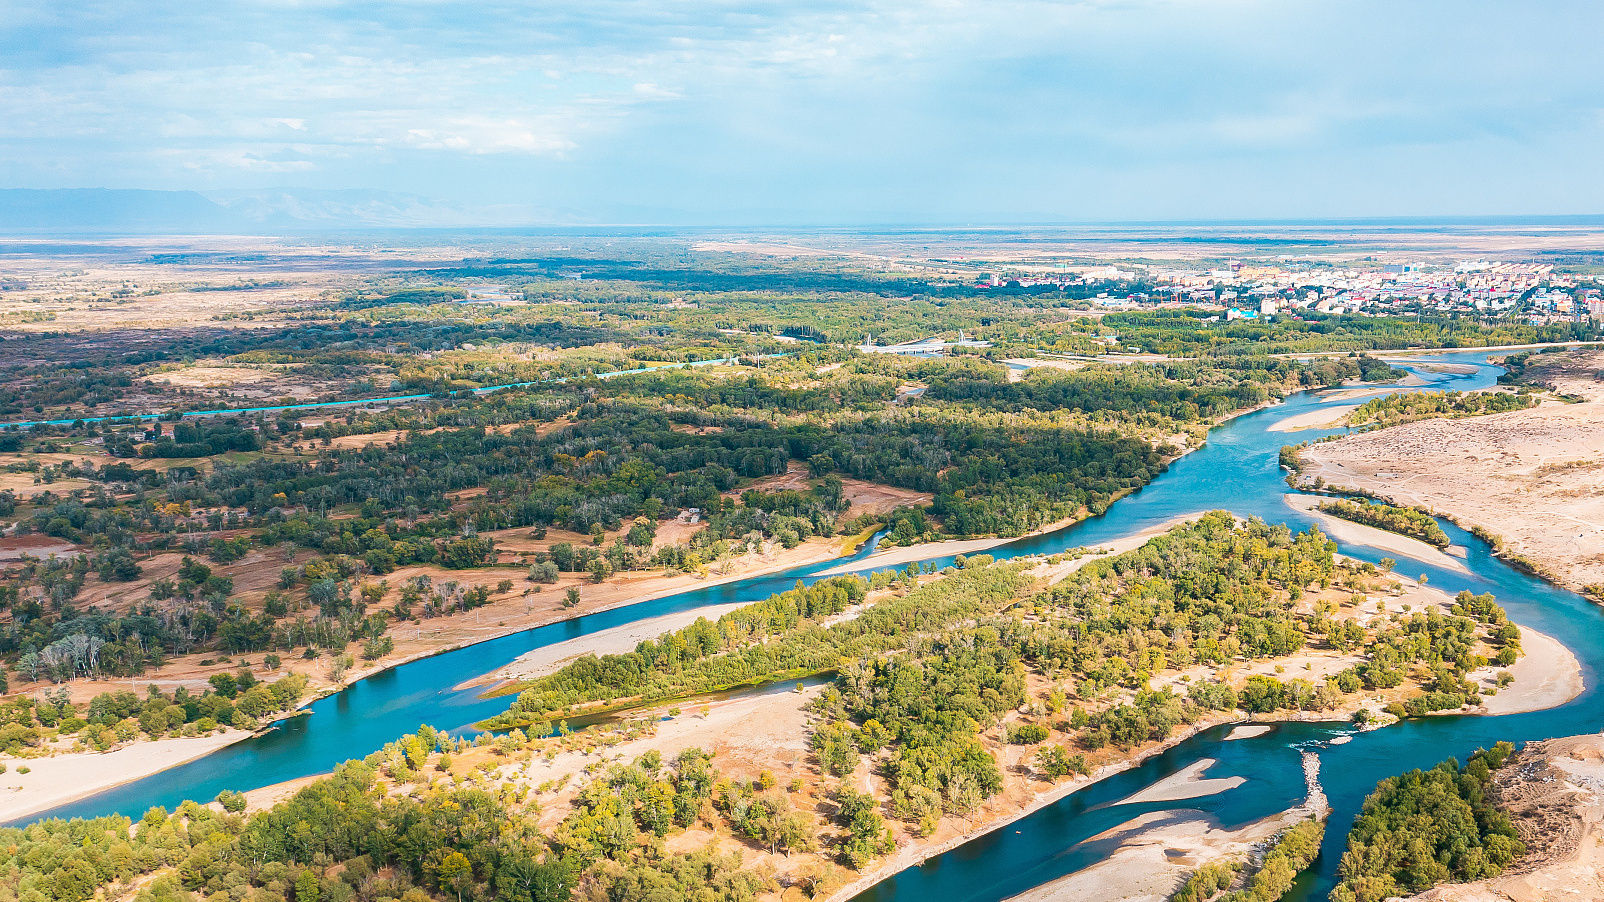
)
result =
(825, 112)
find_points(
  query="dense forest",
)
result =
(618, 456)
(1427, 827)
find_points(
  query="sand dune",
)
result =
(1534, 476)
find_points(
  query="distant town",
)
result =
(1533, 292)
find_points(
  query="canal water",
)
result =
(1238, 470)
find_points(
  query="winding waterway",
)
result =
(382, 400)
(1236, 470)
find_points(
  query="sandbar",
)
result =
(1322, 418)
(1248, 731)
(1371, 537)
(1186, 783)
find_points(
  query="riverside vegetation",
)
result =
(935, 677)
(160, 535)
(1423, 828)
(220, 498)
(1289, 853)
(1405, 521)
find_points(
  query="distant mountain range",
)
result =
(127, 210)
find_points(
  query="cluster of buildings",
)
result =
(1533, 291)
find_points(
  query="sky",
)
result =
(821, 112)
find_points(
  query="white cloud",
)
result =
(481, 135)
(619, 99)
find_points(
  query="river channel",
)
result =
(1236, 470)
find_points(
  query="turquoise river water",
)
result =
(1236, 470)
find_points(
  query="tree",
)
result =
(455, 871)
(306, 887)
(1055, 762)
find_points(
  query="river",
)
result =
(383, 400)
(1236, 470)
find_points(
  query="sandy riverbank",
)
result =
(896, 557)
(1371, 537)
(917, 853)
(552, 658)
(1153, 853)
(1553, 792)
(1324, 418)
(1535, 477)
(1248, 731)
(76, 775)
(1546, 676)
(1456, 369)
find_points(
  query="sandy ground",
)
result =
(238, 382)
(748, 734)
(1018, 366)
(63, 778)
(1361, 391)
(1554, 793)
(1248, 731)
(864, 497)
(1186, 783)
(1371, 537)
(27, 487)
(1153, 854)
(1534, 477)
(907, 554)
(1546, 676)
(1324, 418)
(552, 658)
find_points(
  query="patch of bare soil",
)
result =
(865, 497)
(14, 548)
(26, 486)
(1534, 477)
(238, 383)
